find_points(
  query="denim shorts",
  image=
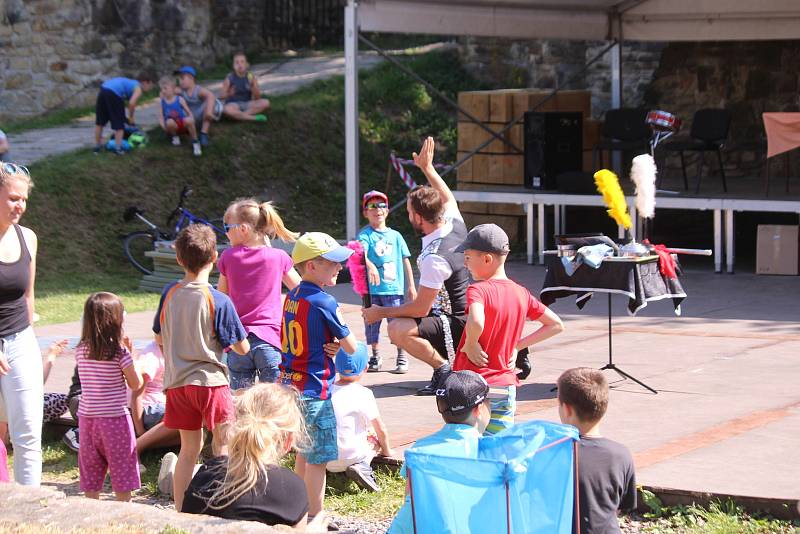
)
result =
(260, 363)
(372, 330)
(321, 425)
(153, 414)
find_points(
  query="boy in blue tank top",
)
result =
(110, 106)
(242, 95)
(174, 115)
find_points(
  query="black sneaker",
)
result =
(97, 149)
(70, 439)
(361, 473)
(204, 140)
(523, 364)
(438, 376)
(374, 364)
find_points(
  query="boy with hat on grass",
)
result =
(200, 100)
(389, 271)
(356, 415)
(463, 401)
(496, 312)
(312, 319)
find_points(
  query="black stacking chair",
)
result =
(624, 129)
(708, 134)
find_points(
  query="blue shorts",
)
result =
(153, 414)
(321, 426)
(372, 331)
(261, 362)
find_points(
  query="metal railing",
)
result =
(303, 23)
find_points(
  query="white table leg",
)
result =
(564, 219)
(529, 231)
(540, 222)
(717, 241)
(729, 239)
(557, 219)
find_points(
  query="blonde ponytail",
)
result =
(262, 218)
(268, 422)
(273, 224)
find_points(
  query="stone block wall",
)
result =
(55, 53)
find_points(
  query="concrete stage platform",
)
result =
(727, 415)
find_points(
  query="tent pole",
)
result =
(351, 116)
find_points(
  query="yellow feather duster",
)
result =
(608, 185)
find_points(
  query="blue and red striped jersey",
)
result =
(311, 318)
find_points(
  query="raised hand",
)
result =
(424, 160)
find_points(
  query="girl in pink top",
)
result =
(251, 273)
(103, 357)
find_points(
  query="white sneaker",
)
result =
(176, 141)
(196, 150)
(165, 473)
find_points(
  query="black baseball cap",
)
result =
(486, 238)
(460, 391)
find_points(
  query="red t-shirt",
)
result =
(506, 305)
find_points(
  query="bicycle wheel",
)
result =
(135, 245)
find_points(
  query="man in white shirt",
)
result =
(430, 327)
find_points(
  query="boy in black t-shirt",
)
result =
(606, 478)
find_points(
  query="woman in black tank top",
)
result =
(20, 358)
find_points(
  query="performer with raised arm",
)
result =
(430, 326)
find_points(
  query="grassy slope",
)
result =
(296, 159)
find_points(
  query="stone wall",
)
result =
(57, 52)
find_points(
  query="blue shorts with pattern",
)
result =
(321, 425)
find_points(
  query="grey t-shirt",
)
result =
(607, 483)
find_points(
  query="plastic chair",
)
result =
(709, 133)
(623, 129)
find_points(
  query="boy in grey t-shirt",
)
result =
(602, 463)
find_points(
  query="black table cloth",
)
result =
(641, 281)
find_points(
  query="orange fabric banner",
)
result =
(783, 132)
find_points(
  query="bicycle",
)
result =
(135, 244)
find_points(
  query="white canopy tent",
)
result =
(635, 20)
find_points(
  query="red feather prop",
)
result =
(358, 269)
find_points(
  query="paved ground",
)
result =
(727, 415)
(274, 79)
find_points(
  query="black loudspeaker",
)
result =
(553, 145)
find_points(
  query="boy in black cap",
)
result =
(496, 312)
(463, 401)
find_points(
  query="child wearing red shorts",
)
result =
(193, 325)
(108, 442)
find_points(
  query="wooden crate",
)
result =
(475, 103)
(471, 136)
(166, 270)
(510, 224)
(464, 171)
(575, 101)
(500, 106)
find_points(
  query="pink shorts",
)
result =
(108, 444)
(192, 407)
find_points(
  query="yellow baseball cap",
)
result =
(315, 244)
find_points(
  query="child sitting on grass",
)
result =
(356, 412)
(174, 115)
(242, 95)
(105, 365)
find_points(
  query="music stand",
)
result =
(611, 365)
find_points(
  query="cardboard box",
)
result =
(777, 249)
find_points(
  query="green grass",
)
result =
(295, 159)
(343, 497)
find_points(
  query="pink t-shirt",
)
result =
(150, 363)
(254, 278)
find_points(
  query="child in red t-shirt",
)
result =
(497, 309)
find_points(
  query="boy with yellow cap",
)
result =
(312, 319)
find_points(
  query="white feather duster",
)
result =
(643, 174)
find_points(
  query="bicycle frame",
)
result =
(187, 217)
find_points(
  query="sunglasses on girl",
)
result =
(377, 205)
(229, 227)
(13, 168)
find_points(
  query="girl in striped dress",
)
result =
(108, 442)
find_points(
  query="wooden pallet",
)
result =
(167, 270)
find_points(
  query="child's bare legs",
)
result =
(314, 476)
(118, 138)
(122, 496)
(4, 432)
(171, 127)
(98, 134)
(158, 436)
(191, 445)
(190, 127)
(93, 495)
(219, 440)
